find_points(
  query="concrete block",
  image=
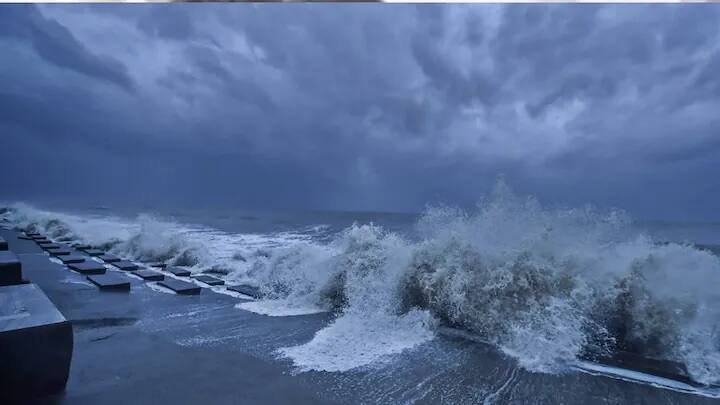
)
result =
(108, 258)
(247, 290)
(36, 344)
(180, 287)
(38, 237)
(10, 268)
(209, 280)
(179, 272)
(158, 265)
(93, 252)
(87, 267)
(149, 275)
(61, 251)
(32, 234)
(125, 265)
(111, 282)
(81, 246)
(67, 259)
(51, 246)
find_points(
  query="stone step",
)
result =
(149, 275)
(50, 245)
(93, 252)
(74, 258)
(110, 282)
(87, 267)
(108, 258)
(61, 251)
(247, 290)
(180, 287)
(125, 265)
(179, 272)
(209, 280)
(36, 344)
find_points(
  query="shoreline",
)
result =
(147, 346)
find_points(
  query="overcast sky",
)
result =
(371, 107)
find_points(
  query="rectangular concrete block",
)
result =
(67, 259)
(179, 272)
(158, 265)
(39, 237)
(50, 245)
(31, 234)
(209, 280)
(93, 252)
(125, 265)
(61, 251)
(110, 282)
(180, 287)
(87, 267)
(108, 258)
(24, 237)
(149, 275)
(81, 246)
(10, 268)
(247, 290)
(36, 344)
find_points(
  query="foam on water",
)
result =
(546, 286)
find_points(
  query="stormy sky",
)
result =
(362, 107)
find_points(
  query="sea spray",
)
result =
(546, 286)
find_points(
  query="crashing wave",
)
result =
(546, 286)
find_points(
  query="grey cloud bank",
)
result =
(373, 107)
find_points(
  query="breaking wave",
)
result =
(546, 286)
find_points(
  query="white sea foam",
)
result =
(546, 286)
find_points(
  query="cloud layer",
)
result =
(366, 106)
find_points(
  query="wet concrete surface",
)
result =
(151, 346)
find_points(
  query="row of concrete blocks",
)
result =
(36, 341)
(95, 272)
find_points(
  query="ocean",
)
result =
(512, 293)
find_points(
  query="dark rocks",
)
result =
(10, 268)
(88, 267)
(108, 258)
(67, 259)
(179, 271)
(180, 287)
(110, 282)
(248, 290)
(149, 275)
(36, 344)
(209, 280)
(125, 265)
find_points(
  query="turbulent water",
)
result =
(546, 286)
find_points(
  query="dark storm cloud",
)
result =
(366, 106)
